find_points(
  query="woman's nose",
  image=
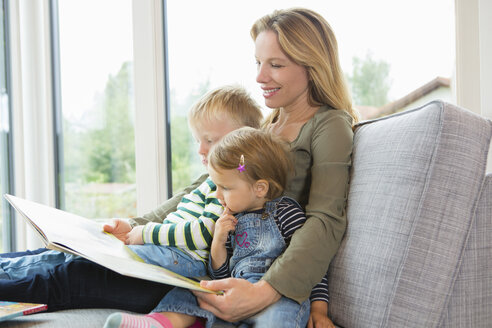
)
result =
(261, 74)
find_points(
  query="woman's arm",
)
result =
(322, 162)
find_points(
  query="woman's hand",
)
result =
(319, 316)
(241, 298)
(119, 228)
(134, 237)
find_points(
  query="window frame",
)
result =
(8, 225)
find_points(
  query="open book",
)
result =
(66, 232)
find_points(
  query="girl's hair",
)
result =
(266, 157)
(308, 40)
(229, 102)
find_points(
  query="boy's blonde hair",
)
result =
(266, 157)
(230, 102)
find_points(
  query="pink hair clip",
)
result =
(241, 166)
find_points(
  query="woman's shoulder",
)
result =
(326, 114)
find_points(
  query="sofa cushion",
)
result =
(415, 182)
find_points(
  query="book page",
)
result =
(78, 235)
(69, 231)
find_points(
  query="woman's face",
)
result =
(284, 83)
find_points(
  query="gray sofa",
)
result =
(418, 247)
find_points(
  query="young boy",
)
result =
(181, 242)
(187, 230)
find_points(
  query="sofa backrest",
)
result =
(470, 304)
(415, 181)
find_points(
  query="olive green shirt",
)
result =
(322, 158)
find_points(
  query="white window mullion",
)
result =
(474, 58)
(150, 121)
(32, 109)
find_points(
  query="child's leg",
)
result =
(28, 263)
(171, 258)
(285, 311)
(152, 320)
(178, 308)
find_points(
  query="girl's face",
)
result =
(207, 133)
(234, 192)
(284, 83)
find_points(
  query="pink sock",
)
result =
(160, 318)
(125, 320)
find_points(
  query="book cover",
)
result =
(67, 232)
(9, 310)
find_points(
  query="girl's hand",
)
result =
(225, 224)
(319, 316)
(134, 237)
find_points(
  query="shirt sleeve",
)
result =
(223, 271)
(191, 226)
(159, 214)
(320, 291)
(326, 152)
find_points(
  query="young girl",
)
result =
(249, 168)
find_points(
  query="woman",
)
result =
(299, 72)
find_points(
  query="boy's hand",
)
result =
(119, 228)
(319, 316)
(134, 237)
(226, 223)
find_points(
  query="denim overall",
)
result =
(257, 242)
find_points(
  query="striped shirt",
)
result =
(288, 218)
(191, 227)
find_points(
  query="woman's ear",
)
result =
(261, 188)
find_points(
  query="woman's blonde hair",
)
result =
(231, 102)
(308, 40)
(265, 155)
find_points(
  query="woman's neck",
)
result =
(290, 121)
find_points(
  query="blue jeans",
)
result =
(80, 284)
(22, 264)
(284, 313)
(171, 258)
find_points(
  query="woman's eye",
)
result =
(276, 66)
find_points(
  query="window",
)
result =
(408, 44)
(5, 139)
(96, 149)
